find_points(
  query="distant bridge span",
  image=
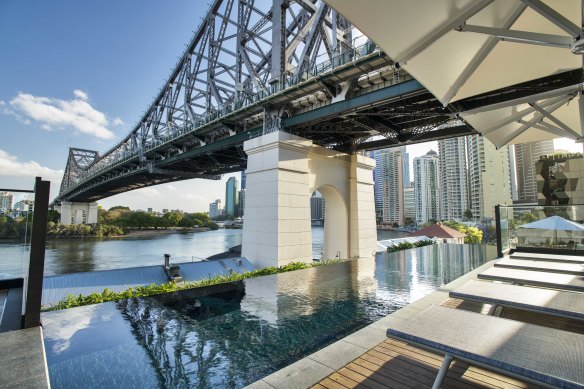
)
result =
(296, 66)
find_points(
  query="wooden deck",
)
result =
(395, 364)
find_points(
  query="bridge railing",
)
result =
(108, 161)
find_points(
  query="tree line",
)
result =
(112, 222)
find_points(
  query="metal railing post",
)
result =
(34, 291)
(498, 230)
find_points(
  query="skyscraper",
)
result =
(409, 203)
(389, 184)
(426, 187)
(489, 180)
(241, 205)
(453, 178)
(231, 197)
(6, 199)
(406, 163)
(317, 207)
(526, 155)
(215, 209)
(243, 180)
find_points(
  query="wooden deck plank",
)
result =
(341, 379)
(330, 384)
(466, 376)
(395, 364)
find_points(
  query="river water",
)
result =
(64, 256)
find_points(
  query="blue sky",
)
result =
(79, 74)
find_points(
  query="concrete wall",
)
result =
(283, 171)
(78, 213)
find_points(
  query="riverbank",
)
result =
(163, 231)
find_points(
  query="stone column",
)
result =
(362, 228)
(66, 212)
(92, 213)
(277, 227)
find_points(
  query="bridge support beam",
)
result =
(283, 171)
(78, 213)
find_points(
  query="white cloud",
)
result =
(12, 167)
(2, 102)
(80, 94)
(149, 192)
(77, 114)
(194, 197)
(117, 122)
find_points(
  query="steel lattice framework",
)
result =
(255, 66)
(241, 50)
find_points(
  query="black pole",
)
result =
(34, 292)
(498, 229)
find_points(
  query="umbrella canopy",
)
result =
(463, 48)
(554, 223)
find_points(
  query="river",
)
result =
(77, 255)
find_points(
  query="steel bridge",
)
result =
(254, 67)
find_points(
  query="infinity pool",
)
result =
(235, 334)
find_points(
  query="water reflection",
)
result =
(244, 331)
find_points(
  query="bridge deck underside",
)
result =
(399, 114)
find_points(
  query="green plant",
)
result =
(407, 245)
(72, 301)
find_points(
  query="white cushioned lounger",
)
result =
(548, 257)
(541, 355)
(548, 301)
(555, 267)
(537, 278)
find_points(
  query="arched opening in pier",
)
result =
(335, 232)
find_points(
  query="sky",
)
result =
(80, 74)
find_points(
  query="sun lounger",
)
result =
(537, 278)
(548, 257)
(554, 267)
(532, 353)
(547, 301)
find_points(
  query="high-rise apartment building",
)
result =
(526, 156)
(6, 199)
(241, 205)
(231, 197)
(453, 195)
(560, 182)
(426, 187)
(406, 163)
(215, 209)
(489, 181)
(389, 185)
(243, 180)
(317, 207)
(409, 203)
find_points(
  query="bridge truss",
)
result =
(251, 67)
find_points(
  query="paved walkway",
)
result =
(22, 360)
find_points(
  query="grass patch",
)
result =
(107, 295)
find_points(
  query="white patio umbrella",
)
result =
(554, 225)
(462, 48)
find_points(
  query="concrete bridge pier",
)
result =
(78, 213)
(283, 171)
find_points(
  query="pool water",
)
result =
(235, 334)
